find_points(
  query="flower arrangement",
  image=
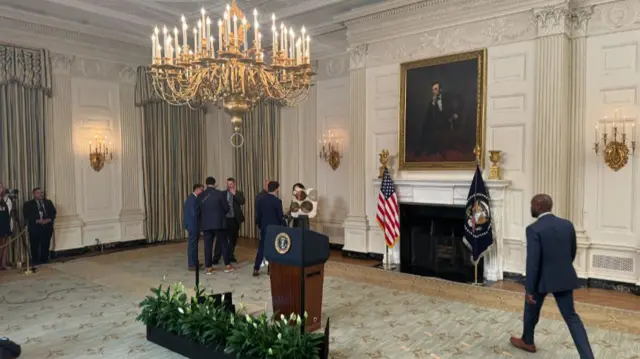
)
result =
(211, 324)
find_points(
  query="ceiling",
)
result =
(132, 20)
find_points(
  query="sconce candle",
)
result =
(99, 155)
(330, 150)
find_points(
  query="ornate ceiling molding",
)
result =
(614, 16)
(553, 20)
(358, 56)
(14, 29)
(128, 74)
(61, 63)
(580, 19)
(400, 18)
(481, 34)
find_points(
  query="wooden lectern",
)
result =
(296, 261)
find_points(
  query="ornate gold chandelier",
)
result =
(228, 71)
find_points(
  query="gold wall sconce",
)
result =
(99, 153)
(614, 142)
(330, 150)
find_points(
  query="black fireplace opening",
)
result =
(431, 243)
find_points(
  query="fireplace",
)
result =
(432, 242)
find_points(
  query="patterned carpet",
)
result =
(86, 309)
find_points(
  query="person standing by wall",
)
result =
(39, 213)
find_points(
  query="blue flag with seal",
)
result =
(478, 232)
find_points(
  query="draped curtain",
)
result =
(25, 104)
(258, 159)
(173, 150)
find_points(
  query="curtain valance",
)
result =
(30, 68)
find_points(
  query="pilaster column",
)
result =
(578, 68)
(64, 160)
(68, 225)
(132, 214)
(356, 224)
(579, 20)
(553, 52)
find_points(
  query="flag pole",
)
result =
(386, 255)
(478, 152)
(475, 274)
(387, 264)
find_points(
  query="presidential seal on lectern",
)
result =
(282, 243)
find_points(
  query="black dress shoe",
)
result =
(256, 273)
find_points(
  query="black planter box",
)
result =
(192, 350)
(184, 346)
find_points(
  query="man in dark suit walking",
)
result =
(551, 249)
(268, 212)
(190, 219)
(213, 222)
(259, 196)
(235, 218)
(39, 213)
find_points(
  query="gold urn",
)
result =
(494, 170)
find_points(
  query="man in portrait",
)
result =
(442, 123)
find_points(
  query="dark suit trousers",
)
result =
(565, 304)
(192, 248)
(40, 241)
(232, 238)
(260, 253)
(209, 236)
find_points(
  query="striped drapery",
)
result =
(25, 104)
(173, 160)
(258, 159)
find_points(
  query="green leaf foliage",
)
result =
(238, 333)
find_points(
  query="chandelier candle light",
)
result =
(616, 152)
(231, 72)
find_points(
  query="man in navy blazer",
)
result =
(259, 196)
(190, 219)
(213, 222)
(551, 249)
(268, 212)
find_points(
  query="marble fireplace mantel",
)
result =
(455, 192)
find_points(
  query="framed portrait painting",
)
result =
(442, 112)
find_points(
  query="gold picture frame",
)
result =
(464, 149)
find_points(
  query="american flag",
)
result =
(388, 214)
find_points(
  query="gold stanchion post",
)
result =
(27, 245)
